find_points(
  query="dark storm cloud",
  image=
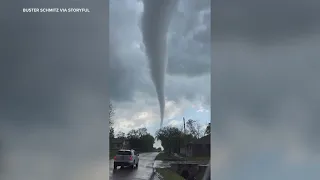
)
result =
(264, 22)
(189, 51)
(127, 69)
(124, 62)
(189, 46)
(120, 77)
(53, 94)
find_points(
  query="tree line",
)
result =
(138, 139)
(173, 138)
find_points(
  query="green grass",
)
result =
(167, 174)
(166, 157)
(201, 158)
(200, 175)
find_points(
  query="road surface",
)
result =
(143, 172)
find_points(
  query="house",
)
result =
(119, 143)
(199, 147)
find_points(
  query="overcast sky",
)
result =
(187, 85)
(265, 89)
(53, 106)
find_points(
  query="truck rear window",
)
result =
(124, 153)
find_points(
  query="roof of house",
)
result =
(202, 140)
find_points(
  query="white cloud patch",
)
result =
(147, 115)
(175, 123)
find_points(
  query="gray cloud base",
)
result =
(186, 58)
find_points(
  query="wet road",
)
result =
(143, 172)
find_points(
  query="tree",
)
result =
(147, 142)
(111, 114)
(142, 131)
(133, 134)
(111, 134)
(199, 131)
(194, 128)
(171, 139)
(208, 129)
(140, 139)
(121, 135)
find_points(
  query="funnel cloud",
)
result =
(155, 23)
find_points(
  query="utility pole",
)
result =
(184, 138)
(184, 126)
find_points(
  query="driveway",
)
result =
(143, 172)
